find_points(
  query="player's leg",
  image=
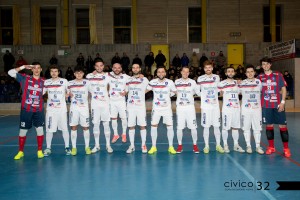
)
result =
(114, 121)
(95, 113)
(268, 119)
(216, 124)
(246, 121)
(155, 117)
(38, 120)
(168, 120)
(25, 125)
(63, 126)
(281, 120)
(192, 125)
(51, 127)
(181, 120)
(123, 116)
(85, 122)
(225, 127)
(236, 125)
(141, 121)
(73, 122)
(206, 122)
(257, 127)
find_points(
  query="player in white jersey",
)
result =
(185, 108)
(230, 109)
(99, 82)
(250, 89)
(136, 107)
(79, 109)
(56, 112)
(117, 92)
(163, 89)
(210, 110)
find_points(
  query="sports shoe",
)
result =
(74, 152)
(219, 149)
(287, 152)
(152, 150)
(40, 154)
(95, 149)
(68, 151)
(259, 150)
(206, 149)
(47, 152)
(179, 149)
(115, 138)
(19, 155)
(144, 149)
(195, 149)
(171, 150)
(238, 148)
(270, 150)
(226, 149)
(130, 149)
(109, 149)
(249, 149)
(88, 151)
(124, 138)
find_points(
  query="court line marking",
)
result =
(4, 116)
(249, 176)
(281, 154)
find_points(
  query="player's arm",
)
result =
(173, 89)
(282, 103)
(13, 72)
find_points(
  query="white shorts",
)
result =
(167, 116)
(136, 116)
(186, 115)
(79, 116)
(210, 117)
(253, 119)
(56, 120)
(118, 107)
(231, 119)
(99, 114)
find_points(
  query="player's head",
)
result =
(266, 63)
(208, 67)
(161, 73)
(78, 72)
(136, 69)
(185, 72)
(250, 71)
(54, 71)
(37, 69)
(99, 65)
(117, 68)
(230, 72)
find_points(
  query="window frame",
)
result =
(82, 28)
(6, 28)
(124, 27)
(49, 28)
(189, 27)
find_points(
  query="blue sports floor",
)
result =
(186, 176)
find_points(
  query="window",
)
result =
(267, 22)
(195, 26)
(82, 26)
(122, 25)
(48, 25)
(6, 26)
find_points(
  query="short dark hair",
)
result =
(78, 68)
(229, 67)
(53, 67)
(186, 67)
(98, 60)
(36, 63)
(207, 62)
(161, 67)
(249, 66)
(266, 59)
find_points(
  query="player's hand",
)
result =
(28, 66)
(123, 93)
(280, 107)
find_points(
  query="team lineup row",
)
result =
(108, 92)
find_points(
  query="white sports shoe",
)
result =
(238, 149)
(226, 149)
(95, 149)
(144, 149)
(47, 152)
(259, 150)
(249, 149)
(130, 149)
(109, 149)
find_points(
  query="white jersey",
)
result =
(117, 85)
(209, 91)
(80, 93)
(251, 91)
(136, 88)
(230, 95)
(56, 90)
(185, 91)
(161, 93)
(98, 87)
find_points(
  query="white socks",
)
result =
(179, 136)
(206, 136)
(49, 136)
(73, 138)
(235, 136)
(170, 133)
(225, 136)
(153, 135)
(217, 135)
(131, 137)
(143, 136)
(86, 135)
